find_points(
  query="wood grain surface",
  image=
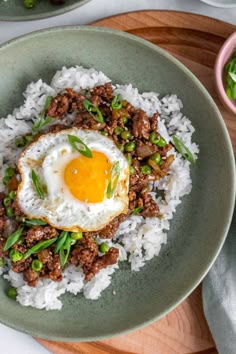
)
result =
(195, 40)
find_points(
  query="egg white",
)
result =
(48, 156)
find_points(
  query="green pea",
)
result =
(153, 138)
(36, 265)
(131, 170)
(12, 195)
(9, 172)
(125, 135)
(77, 235)
(7, 201)
(129, 159)
(104, 247)
(118, 130)
(12, 293)
(15, 255)
(20, 141)
(10, 212)
(29, 4)
(5, 180)
(121, 147)
(146, 170)
(156, 158)
(104, 132)
(161, 142)
(124, 120)
(2, 262)
(129, 147)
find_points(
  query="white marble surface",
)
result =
(13, 342)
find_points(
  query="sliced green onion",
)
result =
(153, 138)
(60, 241)
(77, 235)
(156, 158)
(7, 201)
(37, 184)
(2, 262)
(28, 138)
(104, 247)
(34, 222)
(47, 102)
(65, 251)
(36, 265)
(116, 102)
(136, 210)
(93, 111)
(39, 247)
(120, 147)
(131, 170)
(115, 174)
(12, 195)
(183, 150)
(131, 146)
(73, 140)
(13, 238)
(125, 135)
(129, 159)
(15, 255)
(12, 293)
(41, 122)
(124, 120)
(104, 132)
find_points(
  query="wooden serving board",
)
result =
(195, 40)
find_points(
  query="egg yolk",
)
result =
(88, 178)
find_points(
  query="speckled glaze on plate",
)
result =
(14, 10)
(201, 223)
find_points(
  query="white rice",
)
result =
(137, 238)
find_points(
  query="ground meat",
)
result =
(55, 269)
(22, 265)
(2, 252)
(17, 208)
(56, 128)
(31, 277)
(105, 91)
(150, 207)
(85, 251)
(141, 125)
(85, 121)
(45, 256)
(38, 233)
(109, 258)
(2, 209)
(2, 224)
(58, 106)
(20, 247)
(12, 184)
(154, 122)
(109, 230)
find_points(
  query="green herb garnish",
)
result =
(136, 210)
(93, 111)
(65, 251)
(38, 185)
(116, 103)
(40, 123)
(73, 140)
(13, 238)
(115, 174)
(182, 149)
(60, 241)
(34, 222)
(230, 81)
(39, 247)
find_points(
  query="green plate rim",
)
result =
(189, 289)
(59, 10)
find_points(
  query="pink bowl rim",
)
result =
(218, 71)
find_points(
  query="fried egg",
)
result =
(76, 187)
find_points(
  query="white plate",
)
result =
(221, 3)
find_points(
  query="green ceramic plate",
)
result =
(14, 10)
(201, 223)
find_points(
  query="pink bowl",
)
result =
(223, 56)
